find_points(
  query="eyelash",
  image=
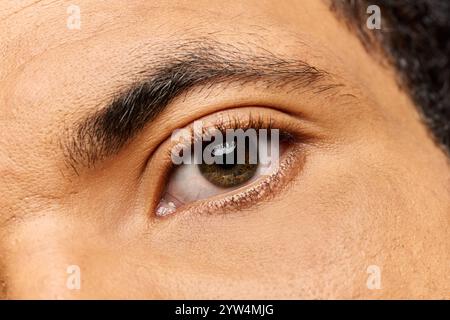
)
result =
(256, 191)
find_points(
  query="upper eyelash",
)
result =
(252, 122)
(234, 123)
(255, 123)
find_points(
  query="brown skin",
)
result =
(374, 188)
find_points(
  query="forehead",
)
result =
(39, 30)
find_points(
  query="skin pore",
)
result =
(369, 187)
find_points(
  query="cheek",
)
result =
(274, 251)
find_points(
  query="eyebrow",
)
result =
(188, 66)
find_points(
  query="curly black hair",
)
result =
(415, 37)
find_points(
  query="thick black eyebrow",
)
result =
(190, 66)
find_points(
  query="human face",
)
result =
(365, 186)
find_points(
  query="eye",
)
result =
(231, 162)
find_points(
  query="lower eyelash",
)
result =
(259, 192)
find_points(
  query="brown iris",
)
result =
(229, 173)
